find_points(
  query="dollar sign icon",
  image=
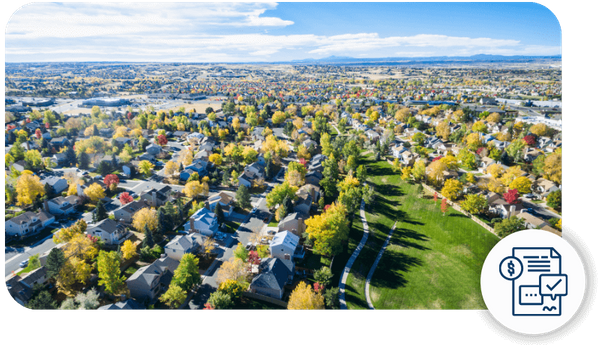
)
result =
(511, 268)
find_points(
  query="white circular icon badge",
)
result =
(533, 281)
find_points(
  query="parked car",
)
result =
(24, 263)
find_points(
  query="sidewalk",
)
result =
(348, 267)
(372, 270)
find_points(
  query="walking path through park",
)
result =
(348, 267)
(368, 283)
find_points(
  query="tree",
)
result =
(332, 298)
(553, 167)
(192, 189)
(145, 217)
(232, 269)
(100, 212)
(479, 126)
(443, 130)
(233, 288)
(83, 301)
(323, 275)
(34, 262)
(418, 170)
(509, 226)
(328, 230)
(444, 206)
(243, 197)
(473, 141)
(241, 252)
(54, 262)
(148, 241)
(94, 192)
(515, 150)
(279, 192)
(187, 273)
(145, 167)
(539, 129)
(33, 158)
(220, 300)
(350, 193)
(66, 234)
(29, 188)
(128, 249)
(104, 167)
(43, 300)
(554, 200)
(521, 184)
(219, 213)
(512, 196)
(474, 203)
(419, 138)
(111, 180)
(435, 172)
(452, 189)
(216, 159)
(304, 297)
(174, 296)
(109, 272)
(529, 140)
(162, 140)
(125, 198)
(495, 170)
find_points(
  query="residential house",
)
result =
(293, 223)
(21, 288)
(183, 244)
(304, 202)
(499, 206)
(225, 200)
(149, 282)
(128, 304)
(58, 184)
(19, 165)
(110, 231)
(28, 223)
(199, 166)
(246, 178)
(372, 135)
(157, 198)
(153, 149)
(485, 163)
(542, 187)
(274, 275)
(203, 221)
(284, 246)
(106, 132)
(60, 159)
(398, 150)
(313, 178)
(59, 142)
(61, 205)
(309, 142)
(125, 213)
(531, 221)
(256, 168)
(129, 169)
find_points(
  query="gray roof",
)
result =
(108, 225)
(27, 216)
(183, 243)
(274, 274)
(133, 206)
(285, 238)
(52, 180)
(126, 305)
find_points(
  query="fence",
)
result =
(265, 298)
(459, 209)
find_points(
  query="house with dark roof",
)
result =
(293, 222)
(58, 184)
(149, 282)
(28, 223)
(125, 213)
(203, 222)
(274, 275)
(224, 199)
(157, 198)
(21, 288)
(61, 205)
(123, 305)
(183, 244)
(110, 231)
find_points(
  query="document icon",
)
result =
(541, 285)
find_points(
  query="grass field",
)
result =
(432, 262)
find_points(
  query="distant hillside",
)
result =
(434, 59)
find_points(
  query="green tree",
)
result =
(187, 273)
(332, 299)
(219, 213)
(220, 300)
(242, 197)
(554, 200)
(323, 275)
(100, 211)
(42, 300)
(515, 150)
(109, 271)
(509, 226)
(241, 252)
(83, 161)
(474, 203)
(54, 262)
(279, 192)
(34, 262)
(174, 296)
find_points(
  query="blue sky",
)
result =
(247, 32)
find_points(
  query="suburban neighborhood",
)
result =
(260, 199)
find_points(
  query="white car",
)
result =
(24, 263)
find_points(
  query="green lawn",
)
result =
(432, 262)
(231, 227)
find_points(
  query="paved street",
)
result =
(15, 258)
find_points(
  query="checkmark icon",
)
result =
(553, 286)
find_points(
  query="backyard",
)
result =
(433, 261)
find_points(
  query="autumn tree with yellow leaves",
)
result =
(328, 230)
(145, 217)
(29, 188)
(305, 297)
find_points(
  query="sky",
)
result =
(272, 32)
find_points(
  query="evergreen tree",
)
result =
(219, 213)
(71, 156)
(42, 300)
(48, 191)
(243, 197)
(100, 211)
(179, 211)
(269, 170)
(96, 132)
(54, 262)
(148, 240)
(83, 160)
(226, 178)
(114, 162)
(163, 224)
(170, 213)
